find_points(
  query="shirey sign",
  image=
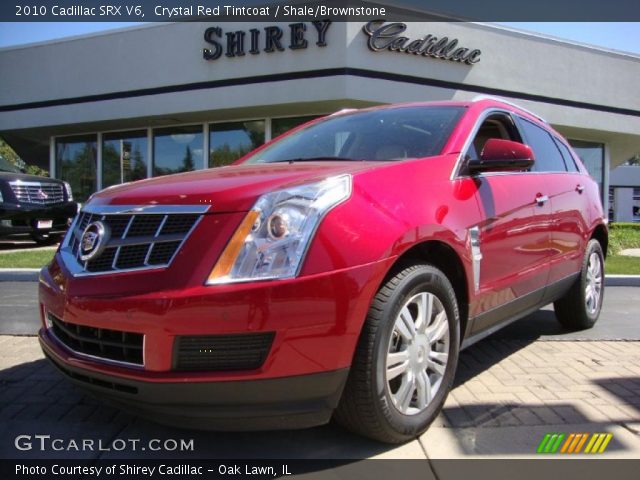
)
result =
(382, 36)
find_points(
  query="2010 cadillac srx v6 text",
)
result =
(336, 271)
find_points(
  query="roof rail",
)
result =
(477, 98)
(344, 110)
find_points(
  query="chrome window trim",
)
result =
(76, 269)
(455, 173)
(496, 174)
(481, 97)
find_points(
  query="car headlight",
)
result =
(67, 188)
(273, 238)
(1, 197)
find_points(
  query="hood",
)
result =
(12, 177)
(234, 188)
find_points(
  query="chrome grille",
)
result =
(140, 237)
(38, 193)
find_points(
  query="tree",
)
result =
(9, 154)
(12, 157)
(187, 162)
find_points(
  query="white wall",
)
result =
(171, 54)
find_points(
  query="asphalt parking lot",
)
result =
(618, 320)
(511, 389)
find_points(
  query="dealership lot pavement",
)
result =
(511, 389)
(19, 315)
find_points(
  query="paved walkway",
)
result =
(630, 252)
(508, 394)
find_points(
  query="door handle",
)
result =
(541, 199)
(579, 188)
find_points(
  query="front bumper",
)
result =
(23, 219)
(316, 321)
(282, 403)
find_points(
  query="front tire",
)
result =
(580, 308)
(406, 358)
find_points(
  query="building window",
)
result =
(177, 149)
(76, 163)
(592, 156)
(281, 125)
(230, 141)
(124, 157)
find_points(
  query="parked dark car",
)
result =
(39, 207)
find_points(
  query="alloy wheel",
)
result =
(593, 287)
(418, 353)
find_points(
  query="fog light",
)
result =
(6, 223)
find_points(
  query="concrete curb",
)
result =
(19, 274)
(622, 280)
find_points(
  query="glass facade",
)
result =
(230, 141)
(124, 157)
(177, 149)
(281, 125)
(76, 163)
(592, 156)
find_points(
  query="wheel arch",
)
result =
(444, 257)
(601, 234)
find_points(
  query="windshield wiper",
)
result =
(316, 159)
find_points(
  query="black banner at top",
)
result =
(311, 10)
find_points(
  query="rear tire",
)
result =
(580, 308)
(406, 358)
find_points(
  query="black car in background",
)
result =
(39, 207)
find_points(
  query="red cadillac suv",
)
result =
(336, 271)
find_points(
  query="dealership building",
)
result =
(127, 104)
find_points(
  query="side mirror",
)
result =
(502, 156)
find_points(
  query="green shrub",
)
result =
(623, 236)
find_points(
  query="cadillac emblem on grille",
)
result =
(93, 240)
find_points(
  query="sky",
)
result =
(624, 36)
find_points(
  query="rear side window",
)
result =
(547, 155)
(566, 155)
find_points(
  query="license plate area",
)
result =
(44, 224)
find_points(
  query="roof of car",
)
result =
(482, 101)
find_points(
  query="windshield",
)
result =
(386, 134)
(5, 166)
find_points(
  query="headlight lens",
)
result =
(273, 238)
(67, 187)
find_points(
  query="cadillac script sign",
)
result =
(389, 37)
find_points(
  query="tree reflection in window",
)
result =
(230, 141)
(76, 164)
(177, 149)
(124, 157)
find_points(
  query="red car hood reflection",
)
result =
(228, 189)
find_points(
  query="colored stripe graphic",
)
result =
(573, 443)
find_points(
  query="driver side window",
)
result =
(496, 125)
